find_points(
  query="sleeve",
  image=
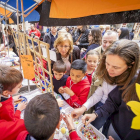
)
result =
(95, 98)
(30, 33)
(73, 136)
(78, 101)
(17, 114)
(39, 34)
(9, 130)
(112, 103)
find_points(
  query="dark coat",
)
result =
(83, 39)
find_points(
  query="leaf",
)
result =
(138, 90)
(136, 123)
(135, 107)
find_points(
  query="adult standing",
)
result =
(65, 50)
(123, 33)
(95, 39)
(80, 37)
(51, 37)
(131, 34)
(34, 32)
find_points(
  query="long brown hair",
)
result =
(129, 52)
(130, 93)
(97, 36)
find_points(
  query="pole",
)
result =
(24, 36)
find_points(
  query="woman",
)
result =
(65, 50)
(80, 37)
(123, 33)
(117, 67)
(95, 39)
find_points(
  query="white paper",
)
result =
(52, 54)
(66, 96)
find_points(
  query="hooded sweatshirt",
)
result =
(80, 89)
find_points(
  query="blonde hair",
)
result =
(91, 52)
(61, 39)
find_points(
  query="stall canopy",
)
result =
(33, 16)
(89, 12)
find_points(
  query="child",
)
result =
(59, 78)
(92, 58)
(10, 83)
(41, 118)
(77, 85)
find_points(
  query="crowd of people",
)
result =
(95, 73)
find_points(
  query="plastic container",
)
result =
(99, 135)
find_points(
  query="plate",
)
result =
(24, 99)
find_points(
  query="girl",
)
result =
(117, 67)
(92, 58)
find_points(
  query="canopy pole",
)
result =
(18, 33)
(24, 36)
(6, 29)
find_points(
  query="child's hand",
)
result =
(60, 102)
(69, 121)
(61, 90)
(22, 106)
(16, 98)
(68, 91)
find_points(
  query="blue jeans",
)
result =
(112, 132)
(98, 122)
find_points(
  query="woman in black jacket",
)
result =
(65, 50)
(80, 37)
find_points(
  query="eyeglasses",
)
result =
(89, 35)
(65, 46)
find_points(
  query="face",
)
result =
(119, 32)
(115, 65)
(92, 61)
(63, 48)
(53, 29)
(58, 75)
(76, 75)
(108, 40)
(15, 90)
(32, 28)
(90, 37)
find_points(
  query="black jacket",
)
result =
(83, 39)
(59, 83)
(121, 117)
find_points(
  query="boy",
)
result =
(59, 78)
(10, 83)
(77, 85)
(41, 118)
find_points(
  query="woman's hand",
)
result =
(61, 90)
(76, 113)
(69, 121)
(22, 106)
(60, 102)
(88, 118)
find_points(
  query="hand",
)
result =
(77, 43)
(36, 37)
(61, 90)
(76, 113)
(68, 91)
(22, 106)
(110, 138)
(69, 121)
(88, 118)
(16, 98)
(0, 105)
(60, 102)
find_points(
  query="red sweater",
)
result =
(81, 90)
(36, 32)
(7, 111)
(22, 136)
(9, 130)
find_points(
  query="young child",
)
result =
(92, 59)
(59, 78)
(77, 85)
(42, 117)
(10, 83)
